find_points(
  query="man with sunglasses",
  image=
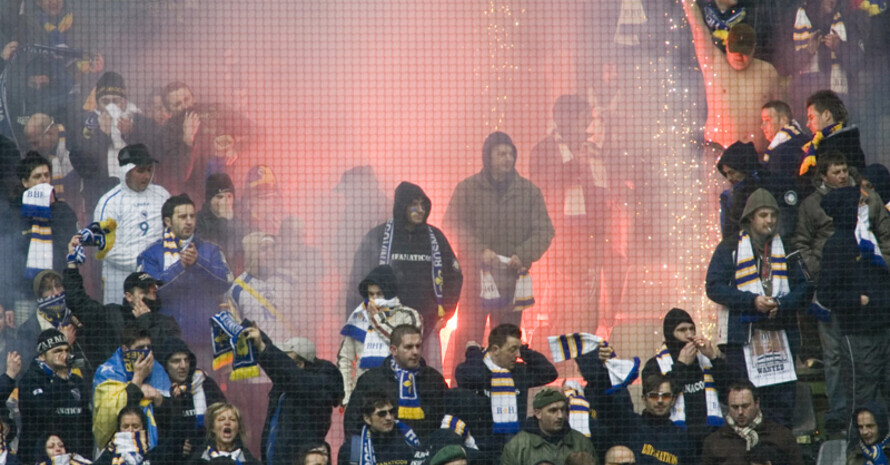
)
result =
(651, 435)
(383, 438)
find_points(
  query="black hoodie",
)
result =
(410, 259)
(850, 275)
(177, 417)
(689, 378)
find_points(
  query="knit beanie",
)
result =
(111, 83)
(49, 339)
(218, 183)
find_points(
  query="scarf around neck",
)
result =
(748, 433)
(504, 411)
(712, 403)
(409, 398)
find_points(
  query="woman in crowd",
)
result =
(130, 444)
(57, 455)
(225, 437)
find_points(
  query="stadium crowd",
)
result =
(121, 370)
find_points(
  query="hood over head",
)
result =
(758, 199)
(383, 276)
(674, 317)
(842, 205)
(879, 176)
(405, 194)
(880, 414)
(740, 156)
(172, 346)
(493, 140)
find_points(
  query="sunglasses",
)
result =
(385, 413)
(660, 396)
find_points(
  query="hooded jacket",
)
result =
(856, 456)
(410, 259)
(509, 218)
(721, 284)
(689, 378)
(177, 417)
(352, 348)
(848, 274)
(879, 176)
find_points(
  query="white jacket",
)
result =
(139, 223)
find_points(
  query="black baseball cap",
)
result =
(139, 279)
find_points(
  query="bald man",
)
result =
(620, 455)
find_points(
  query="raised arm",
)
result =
(705, 51)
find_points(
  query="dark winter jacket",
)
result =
(389, 449)
(177, 417)
(857, 456)
(848, 274)
(654, 440)
(103, 323)
(300, 403)
(473, 375)
(431, 389)
(49, 403)
(726, 447)
(845, 141)
(689, 378)
(411, 258)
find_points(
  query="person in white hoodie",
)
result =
(135, 205)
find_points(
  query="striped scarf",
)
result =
(56, 28)
(172, 245)
(459, 428)
(568, 346)
(128, 448)
(236, 455)
(868, 243)
(747, 274)
(810, 147)
(367, 456)
(504, 412)
(230, 347)
(409, 398)
(788, 132)
(721, 23)
(579, 407)
(363, 328)
(54, 310)
(874, 454)
(712, 403)
(36, 207)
